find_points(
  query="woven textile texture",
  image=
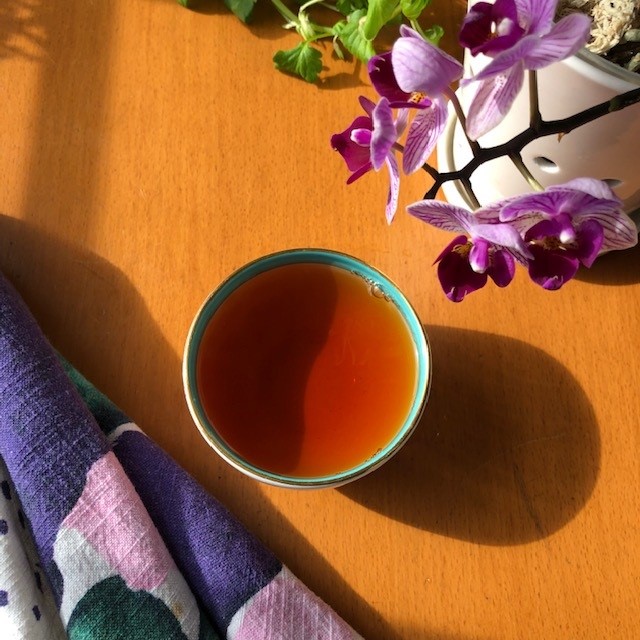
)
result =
(103, 536)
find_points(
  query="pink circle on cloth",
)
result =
(112, 518)
(286, 608)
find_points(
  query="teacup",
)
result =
(306, 368)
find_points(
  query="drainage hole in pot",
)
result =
(546, 165)
(612, 182)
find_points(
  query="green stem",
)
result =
(475, 147)
(310, 3)
(471, 196)
(535, 119)
(516, 158)
(416, 27)
(324, 33)
(285, 12)
(332, 7)
(432, 171)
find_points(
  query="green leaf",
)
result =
(303, 60)
(351, 36)
(378, 14)
(184, 3)
(413, 8)
(242, 8)
(345, 7)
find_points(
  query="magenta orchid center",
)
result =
(551, 243)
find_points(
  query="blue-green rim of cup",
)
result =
(296, 256)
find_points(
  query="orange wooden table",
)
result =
(146, 151)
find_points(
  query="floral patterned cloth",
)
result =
(103, 536)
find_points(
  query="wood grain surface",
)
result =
(146, 151)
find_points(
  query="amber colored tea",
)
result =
(305, 371)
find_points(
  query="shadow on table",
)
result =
(266, 23)
(615, 268)
(94, 316)
(265, 20)
(21, 32)
(507, 450)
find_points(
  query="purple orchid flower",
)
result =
(518, 35)
(422, 70)
(367, 143)
(490, 28)
(556, 261)
(383, 79)
(568, 225)
(485, 249)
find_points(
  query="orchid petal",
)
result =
(524, 222)
(504, 61)
(458, 241)
(620, 231)
(367, 104)
(457, 278)
(583, 244)
(479, 256)
(567, 232)
(551, 269)
(475, 27)
(595, 188)
(478, 33)
(542, 203)
(549, 228)
(407, 32)
(354, 154)
(503, 235)
(359, 172)
(361, 137)
(383, 80)
(589, 239)
(502, 269)
(422, 67)
(443, 215)
(558, 200)
(394, 188)
(384, 133)
(425, 129)
(401, 121)
(493, 100)
(565, 38)
(536, 15)
(490, 213)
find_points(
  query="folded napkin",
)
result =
(103, 536)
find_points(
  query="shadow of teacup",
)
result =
(507, 451)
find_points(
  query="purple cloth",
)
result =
(130, 545)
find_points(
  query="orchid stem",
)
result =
(516, 158)
(475, 147)
(432, 171)
(471, 196)
(535, 119)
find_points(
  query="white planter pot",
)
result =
(607, 148)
